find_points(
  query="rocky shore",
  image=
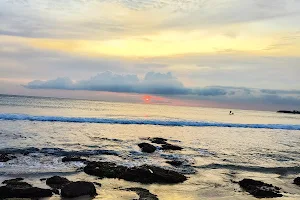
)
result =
(145, 174)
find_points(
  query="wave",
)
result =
(272, 170)
(14, 117)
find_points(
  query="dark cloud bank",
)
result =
(168, 85)
(152, 83)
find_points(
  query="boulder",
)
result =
(77, 189)
(260, 189)
(148, 148)
(12, 180)
(158, 140)
(104, 169)
(297, 181)
(57, 182)
(143, 174)
(151, 174)
(31, 192)
(143, 194)
(73, 159)
(175, 163)
(171, 147)
(18, 185)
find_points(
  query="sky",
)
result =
(213, 53)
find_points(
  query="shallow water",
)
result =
(259, 145)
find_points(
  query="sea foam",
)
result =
(14, 117)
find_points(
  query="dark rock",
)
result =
(158, 140)
(5, 157)
(260, 189)
(73, 159)
(171, 147)
(76, 189)
(142, 174)
(57, 182)
(289, 112)
(43, 179)
(99, 184)
(104, 169)
(55, 191)
(143, 194)
(32, 192)
(297, 181)
(18, 185)
(152, 174)
(175, 163)
(12, 180)
(148, 148)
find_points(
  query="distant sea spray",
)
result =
(15, 117)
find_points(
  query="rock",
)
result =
(12, 180)
(297, 181)
(152, 174)
(79, 188)
(32, 192)
(43, 179)
(55, 191)
(175, 163)
(73, 159)
(171, 147)
(143, 194)
(142, 174)
(148, 148)
(57, 182)
(260, 189)
(18, 185)
(5, 157)
(104, 169)
(158, 140)
(289, 112)
(99, 184)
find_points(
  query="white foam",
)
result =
(8, 116)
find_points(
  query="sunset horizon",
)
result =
(195, 51)
(150, 99)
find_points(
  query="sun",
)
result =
(147, 98)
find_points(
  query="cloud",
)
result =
(288, 98)
(81, 19)
(153, 83)
(274, 72)
(108, 81)
(160, 83)
(211, 91)
(166, 84)
(59, 83)
(268, 91)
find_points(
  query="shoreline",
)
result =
(112, 181)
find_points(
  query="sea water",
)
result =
(218, 149)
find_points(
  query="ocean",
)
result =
(218, 149)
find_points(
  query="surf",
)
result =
(186, 123)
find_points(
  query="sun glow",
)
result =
(147, 98)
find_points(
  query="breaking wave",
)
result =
(14, 117)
